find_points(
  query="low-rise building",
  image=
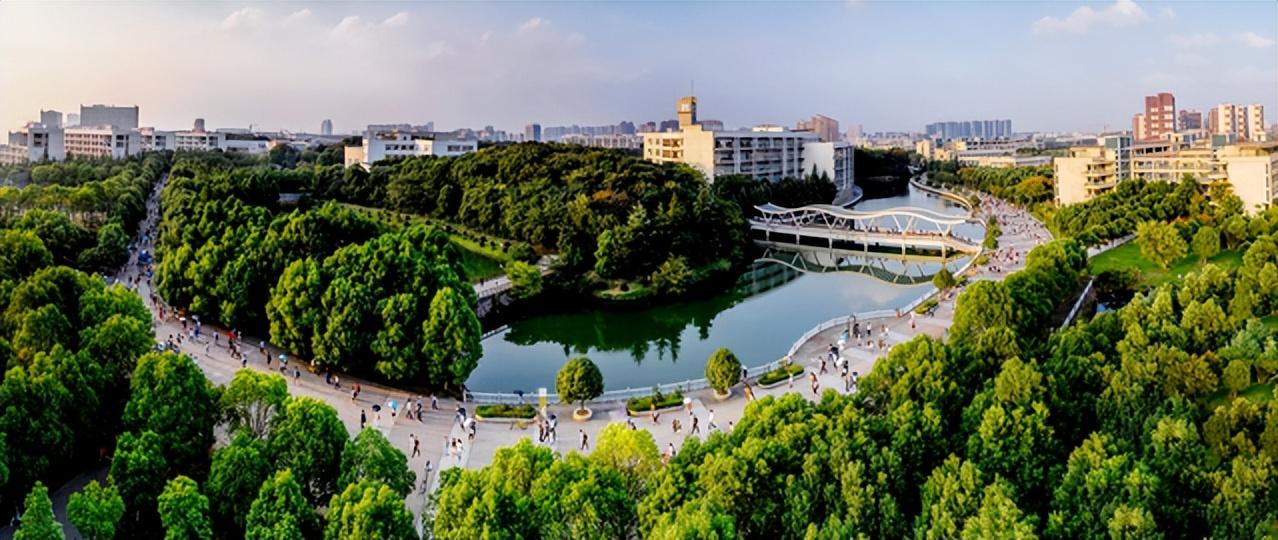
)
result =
(835, 160)
(616, 141)
(102, 142)
(1251, 169)
(1004, 162)
(246, 144)
(33, 142)
(379, 145)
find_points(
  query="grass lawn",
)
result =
(1257, 393)
(1128, 257)
(479, 262)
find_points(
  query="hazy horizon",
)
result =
(888, 66)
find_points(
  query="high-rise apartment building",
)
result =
(972, 129)
(1243, 123)
(326, 127)
(532, 132)
(104, 115)
(687, 110)
(1187, 120)
(1159, 118)
(51, 119)
(826, 128)
(73, 120)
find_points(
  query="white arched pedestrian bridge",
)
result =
(893, 269)
(900, 228)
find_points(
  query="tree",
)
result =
(673, 276)
(998, 517)
(96, 510)
(184, 511)
(525, 279)
(138, 469)
(723, 370)
(280, 512)
(295, 306)
(579, 380)
(984, 305)
(38, 522)
(252, 400)
(452, 338)
(943, 279)
(369, 510)
(1206, 242)
(308, 438)
(631, 452)
(237, 473)
(21, 254)
(1237, 377)
(369, 456)
(1160, 242)
(172, 398)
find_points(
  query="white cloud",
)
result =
(243, 19)
(1193, 41)
(1119, 14)
(1254, 40)
(1189, 59)
(398, 19)
(350, 26)
(298, 17)
(1167, 13)
(531, 25)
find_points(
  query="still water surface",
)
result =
(759, 319)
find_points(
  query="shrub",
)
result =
(780, 374)
(723, 370)
(525, 411)
(662, 401)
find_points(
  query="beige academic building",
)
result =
(1250, 168)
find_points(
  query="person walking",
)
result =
(426, 476)
(363, 419)
(434, 403)
(696, 426)
(710, 421)
(417, 447)
(584, 440)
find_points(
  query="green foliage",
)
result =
(166, 388)
(524, 411)
(237, 473)
(96, 510)
(642, 404)
(780, 373)
(452, 336)
(1206, 242)
(280, 512)
(1160, 242)
(673, 277)
(138, 469)
(525, 279)
(184, 511)
(308, 438)
(723, 370)
(748, 192)
(252, 400)
(943, 279)
(1019, 185)
(38, 522)
(1117, 213)
(21, 254)
(369, 510)
(579, 380)
(370, 457)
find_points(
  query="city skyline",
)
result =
(884, 66)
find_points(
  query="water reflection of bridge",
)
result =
(894, 269)
(901, 229)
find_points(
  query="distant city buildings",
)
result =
(826, 128)
(765, 152)
(1158, 120)
(1243, 123)
(1251, 169)
(73, 120)
(109, 115)
(1187, 120)
(973, 129)
(616, 141)
(532, 132)
(51, 119)
(326, 127)
(378, 145)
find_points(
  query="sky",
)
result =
(886, 65)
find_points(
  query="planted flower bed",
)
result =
(523, 412)
(643, 404)
(780, 375)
